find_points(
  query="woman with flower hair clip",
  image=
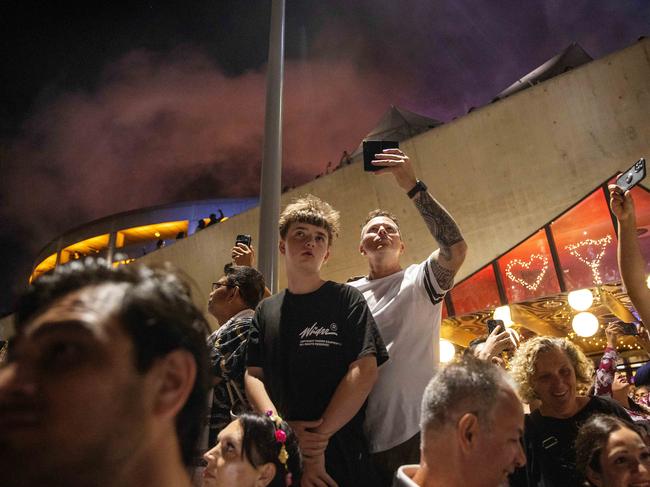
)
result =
(254, 450)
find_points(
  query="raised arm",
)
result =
(445, 261)
(630, 260)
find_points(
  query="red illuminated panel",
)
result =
(586, 243)
(478, 292)
(527, 271)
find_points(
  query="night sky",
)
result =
(108, 107)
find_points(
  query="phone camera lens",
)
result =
(629, 179)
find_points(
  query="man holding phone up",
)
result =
(407, 306)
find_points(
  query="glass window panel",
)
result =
(477, 292)
(527, 271)
(586, 243)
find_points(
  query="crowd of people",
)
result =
(114, 379)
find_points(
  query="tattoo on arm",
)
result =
(444, 276)
(440, 223)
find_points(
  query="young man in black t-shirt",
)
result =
(314, 351)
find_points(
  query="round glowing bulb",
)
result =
(157, 234)
(647, 282)
(503, 313)
(581, 300)
(585, 324)
(447, 351)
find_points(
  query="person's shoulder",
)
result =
(605, 404)
(345, 290)
(272, 299)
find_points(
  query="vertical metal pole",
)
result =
(272, 161)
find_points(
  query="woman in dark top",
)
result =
(554, 371)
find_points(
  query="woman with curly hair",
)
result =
(555, 372)
(254, 451)
(612, 453)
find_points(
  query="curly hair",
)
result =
(310, 209)
(522, 365)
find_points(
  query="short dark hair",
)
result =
(249, 281)
(260, 446)
(593, 437)
(156, 312)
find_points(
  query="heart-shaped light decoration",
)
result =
(532, 286)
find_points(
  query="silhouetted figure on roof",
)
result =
(201, 225)
(213, 219)
(160, 243)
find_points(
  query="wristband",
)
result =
(419, 186)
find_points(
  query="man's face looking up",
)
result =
(381, 237)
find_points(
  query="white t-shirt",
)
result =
(407, 307)
(404, 476)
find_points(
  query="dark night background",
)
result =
(109, 107)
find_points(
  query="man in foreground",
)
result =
(407, 306)
(106, 380)
(472, 423)
(314, 351)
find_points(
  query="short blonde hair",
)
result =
(310, 209)
(522, 365)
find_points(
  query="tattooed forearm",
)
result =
(440, 223)
(444, 276)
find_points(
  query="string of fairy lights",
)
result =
(585, 325)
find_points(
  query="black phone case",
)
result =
(630, 329)
(372, 147)
(245, 239)
(492, 324)
(632, 176)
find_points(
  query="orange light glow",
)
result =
(144, 233)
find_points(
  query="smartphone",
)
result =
(492, 324)
(632, 176)
(245, 239)
(372, 147)
(629, 329)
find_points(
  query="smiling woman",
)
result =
(553, 370)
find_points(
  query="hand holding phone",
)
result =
(492, 324)
(243, 253)
(632, 176)
(629, 329)
(372, 147)
(245, 239)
